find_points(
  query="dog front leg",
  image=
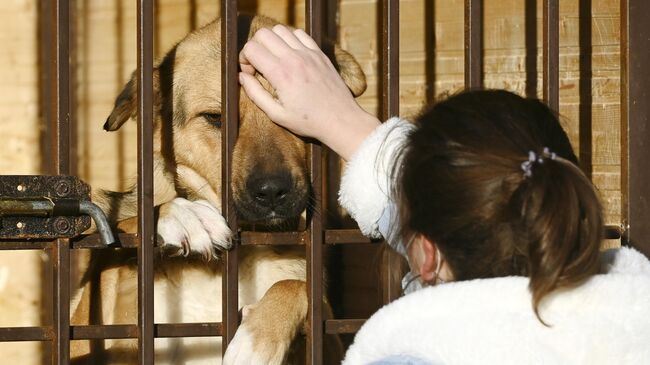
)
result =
(270, 326)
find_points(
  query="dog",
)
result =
(270, 186)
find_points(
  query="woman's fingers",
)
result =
(272, 41)
(259, 95)
(287, 36)
(305, 39)
(255, 57)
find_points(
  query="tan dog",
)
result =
(270, 186)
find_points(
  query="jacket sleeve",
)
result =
(366, 183)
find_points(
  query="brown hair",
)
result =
(461, 184)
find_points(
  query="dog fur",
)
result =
(190, 228)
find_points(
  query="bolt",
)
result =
(61, 225)
(20, 225)
(62, 188)
(20, 187)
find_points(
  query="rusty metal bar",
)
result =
(314, 330)
(332, 237)
(389, 108)
(61, 99)
(585, 84)
(635, 117)
(161, 330)
(430, 49)
(551, 54)
(473, 44)
(10, 334)
(61, 252)
(334, 326)
(146, 232)
(230, 103)
(530, 25)
(61, 301)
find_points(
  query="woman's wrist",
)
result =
(346, 134)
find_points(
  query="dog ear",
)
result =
(350, 71)
(126, 103)
(125, 106)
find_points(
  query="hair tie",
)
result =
(527, 166)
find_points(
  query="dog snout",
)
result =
(270, 190)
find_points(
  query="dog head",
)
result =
(269, 174)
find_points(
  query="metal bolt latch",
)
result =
(46, 207)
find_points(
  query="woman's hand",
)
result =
(310, 99)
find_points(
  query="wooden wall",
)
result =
(106, 57)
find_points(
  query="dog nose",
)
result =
(270, 190)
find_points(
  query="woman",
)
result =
(482, 194)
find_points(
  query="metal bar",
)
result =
(430, 49)
(340, 326)
(61, 99)
(230, 102)
(10, 334)
(585, 84)
(98, 332)
(332, 237)
(343, 236)
(146, 232)
(551, 54)
(115, 331)
(189, 330)
(473, 44)
(314, 329)
(61, 301)
(389, 108)
(274, 238)
(61, 251)
(635, 117)
(530, 25)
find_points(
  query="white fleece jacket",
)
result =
(491, 321)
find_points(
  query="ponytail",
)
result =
(563, 220)
(466, 182)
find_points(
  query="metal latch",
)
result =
(48, 207)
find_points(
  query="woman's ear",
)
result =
(423, 259)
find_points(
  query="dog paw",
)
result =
(193, 227)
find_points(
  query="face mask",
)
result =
(411, 282)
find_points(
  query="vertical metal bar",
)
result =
(314, 247)
(390, 108)
(230, 102)
(61, 261)
(473, 44)
(61, 100)
(635, 117)
(551, 54)
(530, 24)
(61, 108)
(585, 83)
(145, 181)
(46, 87)
(430, 48)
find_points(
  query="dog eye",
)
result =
(212, 118)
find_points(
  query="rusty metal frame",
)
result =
(57, 113)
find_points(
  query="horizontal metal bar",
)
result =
(97, 332)
(10, 334)
(332, 237)
(345, 236)
(188, 330)
(339, 326)
(115, 331)
(274, 238)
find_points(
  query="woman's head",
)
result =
(462, 186)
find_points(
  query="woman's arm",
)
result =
(310, 98)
